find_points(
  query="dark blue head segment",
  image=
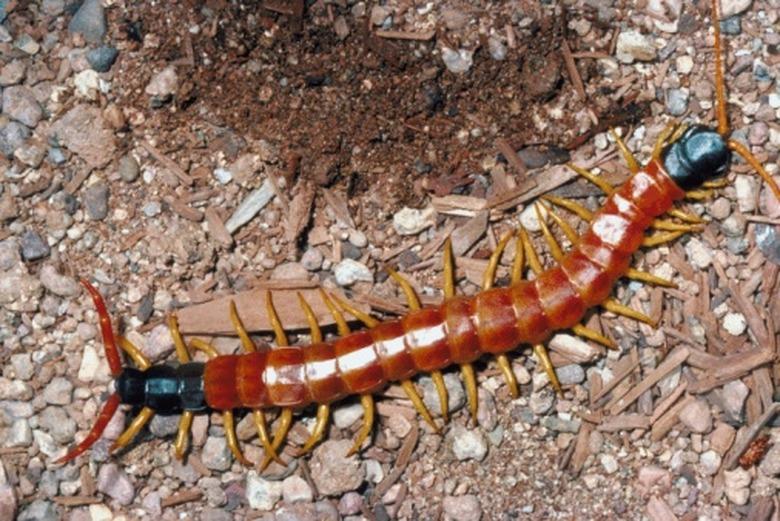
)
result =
(699, 155)
(163, 388)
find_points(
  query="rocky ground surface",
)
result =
(180, 152)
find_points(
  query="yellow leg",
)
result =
(699, 195)
(670, 226)
(519, 261)
(368, 320)
(555, 248)
(593, 178)
(232, 440)
(720, 183)
(544, 359)
(411, 296)
(441, 390)
(134, 428)
(311, 318)
(202, 345)
(530, 253)
(633, 164)
(265, 440)
(568, 231)
(246, 342)
(649, 278)
(418, 403)
(368, 422)
(182, 435)
(338, 316)
(669, 135)
(574, 207)
(133, 352)
(323, 413)
(182, 353)
(590, 334)
(276, 324)
(509, 375)
(489, 277)
(661, 238)
(470, 381)
(685, 216)
(285, 420)
(619, 309)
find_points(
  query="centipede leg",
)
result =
(470, 381)
(285, 420)
(238, 325)
(230, 435)
(685, 216)
(631, 161)
(488, 279)
(670, 226)
(417, 402)
(643, 276)
(593, 178)
(619, 309)
(133, 352)
(661, 238)
(134, 428)
(590, 334)
(261, 424)
(367, 401)
(699, 195)
(574, 207)
(182, 441)
(323, 411)
(539, 349)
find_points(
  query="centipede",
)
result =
(688, 161)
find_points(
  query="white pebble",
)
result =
(349, 271)
(734, 323)
(411, 221)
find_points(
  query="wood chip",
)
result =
(663, 404)
(727, 368)
(746, 436)
(76, 501)
(403, 35)
(674, 360)
(167, 162)
(624, 367)
(180, 498)
(213, 318)
(184, 210)
(300, 211)
(404, 456)
(338, 205)
(624, 422)
(508, 151)
(459, 205)
(571, 68)
(464, 237)
(217, 227)
(664, 424)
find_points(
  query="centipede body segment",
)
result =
(458, 331)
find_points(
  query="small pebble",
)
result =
(710, 462)
(732, 399)
(462, 508)
(570, 374)
(734, 323)
(113, 481)
(747, 189)
(737, 482)
(332, 471)
(128, 168)
(697, 416)
(633, 46)
(216, 454)
(609, 463)
(349, 271)
(58, 391)
(96, 201)
(457, 61)
(89, 21)
(296, 489)
(468, 444)
(61, 285)
(677, 101)
(261, 493)
(102, 58)
(411, 221)
(699, 253)
(312, 259)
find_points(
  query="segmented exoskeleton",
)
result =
(686, 162)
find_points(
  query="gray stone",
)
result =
(57, 422)
(295, 489)
(570, 374)
(20, 434)
(468, 444)
(710, 462)
(261, 493)
(31, 155)
(558, 424)
(677, 101)
(53, 7)
(128, 168)
(216, 454)
(113, 481)
(770, 465)
(61, 285)
(39, 510)
(731, 25)
(96, 201)
(102, 58)
(733, 7)
(12, 135)
(697, 416)
(462, 508)
(22, 365)
(58, 391)
(350, 504)
(632, 46)
(312, 259)
(89, 21)
(349, 271)
(333, 472)
(12, 73)
(164, 84)
(33, 246)
(19, 103)
(27, 44)
(457, 61)
(456, 396)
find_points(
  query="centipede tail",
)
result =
(686, 163)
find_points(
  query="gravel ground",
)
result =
(177, 153)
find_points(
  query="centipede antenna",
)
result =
(107, 331)
(720, 82)
(743, 151)
(109, 409)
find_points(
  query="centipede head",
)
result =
(701, 154)
(114, 363)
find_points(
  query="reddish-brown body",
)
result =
(461, 329)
